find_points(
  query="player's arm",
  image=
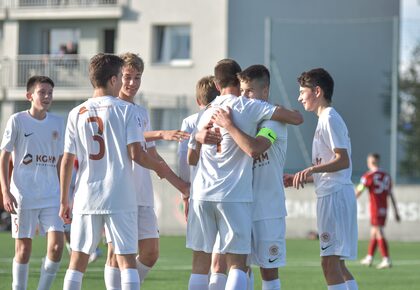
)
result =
(138, 155)
(58, 167)
(253, 147)
(177, 182)
(287, 116)
(169, 135)
(394, 205)
(66, 167)
(341, 161)
(203, 136)
(359, 189)
(9, 201)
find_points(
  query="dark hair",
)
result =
(375, 156)
(102, 68)
(225, 73)
(206, 90)
(318, 77)
(255, 72)
(34, 80)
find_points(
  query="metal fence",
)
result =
(65, 70)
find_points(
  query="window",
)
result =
(63, 41)
(172, 44)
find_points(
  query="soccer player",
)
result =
(379, 184)
(331, 173)
(104, 133)
(35, 140)
(222, 185)
(148, 232)
(268, 149)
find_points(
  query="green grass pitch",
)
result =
(172, 271)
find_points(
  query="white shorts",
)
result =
(337, 224)
(232, 220)
(269, 243)
(146, 224)
(86, 232)
(25, 222)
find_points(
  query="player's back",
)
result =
(379, 185)
(225, 174)
(98, 131)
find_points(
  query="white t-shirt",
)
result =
(142, 177)
(36, 147)
(98, 132)
(269, 199)
(227, 175)
(185, 170)
(331, 133)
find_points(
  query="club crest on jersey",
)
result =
(325, 237)
(55, 135)
(273, 250)
(27, 159)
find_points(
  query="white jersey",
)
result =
(331, 133)
(227, 175)
(36, 147)
(98, 132)
(269, 197)
(185, 170)
(142, 177)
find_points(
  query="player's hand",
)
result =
(222, 118)
(175, 135)
(302, 177)
(397, 217)
(10, 203)
(208, 136)
(186, 202)
(65, 213)
(288, 179)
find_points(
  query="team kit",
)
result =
(92, 177)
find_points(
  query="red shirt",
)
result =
(379, 184)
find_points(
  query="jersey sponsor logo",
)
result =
(45, 159)
(318, 161)
(261, 160)
(27, 159)
(28, 134)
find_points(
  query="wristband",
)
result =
(268, 133)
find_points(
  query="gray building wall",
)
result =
(356, 51)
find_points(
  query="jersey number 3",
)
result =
(98, 137)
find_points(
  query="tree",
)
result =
(410, 116)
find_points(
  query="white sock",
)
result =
(48, 271)
(73, 280)
(237, 279)
(271, 285)
(250, 279)
(198, 282)
(130, 279)
(112, 277)
(143, 270)
(20, 275)
(217, 281)
(352, 285)
(341, 286)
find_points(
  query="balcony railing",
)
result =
(61, 3)
(66, 71)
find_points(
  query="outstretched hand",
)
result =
(175, 135)
(302, 177)
(288, 179)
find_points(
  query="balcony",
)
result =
(69, 73)
(65, 9)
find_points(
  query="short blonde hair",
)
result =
(206, 90)
(133, 60)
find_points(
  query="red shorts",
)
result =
(378, 220)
